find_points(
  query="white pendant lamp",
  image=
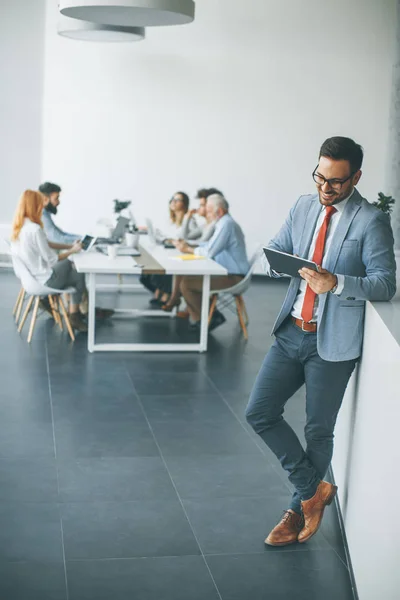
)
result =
(94, 32)
(131, 13)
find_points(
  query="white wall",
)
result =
(21, 99)
(366, 463)
(240, 99)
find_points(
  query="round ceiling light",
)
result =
(139, 13)
(94, 32)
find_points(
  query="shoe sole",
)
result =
(280, 543)
(327, 503)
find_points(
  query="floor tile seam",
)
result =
(26, 456)
(131, 558)
(274, 551)
(139, 501)
(242, 423)
(219, 393)
(57, 472)
(175, 488)
(335, 551)
(262, 551)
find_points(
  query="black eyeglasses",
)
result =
(335, 184)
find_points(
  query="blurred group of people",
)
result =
(45, 249)
(207, 230)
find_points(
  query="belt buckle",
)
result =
(302, 326)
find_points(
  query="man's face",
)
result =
(202, 210)
(55, 199)
(211, 212)
(51, 202)
(337, 189)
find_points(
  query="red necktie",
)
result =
(309, 298)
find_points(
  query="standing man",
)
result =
(319, 330)
(51, 192)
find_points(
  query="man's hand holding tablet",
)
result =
(320, 280)
(288, 264)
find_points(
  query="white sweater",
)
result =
(33, 249)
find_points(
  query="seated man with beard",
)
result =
(51, 193)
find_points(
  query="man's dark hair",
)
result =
(343, 148)
(205, 192)
(48, 188)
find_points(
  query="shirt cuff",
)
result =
(340, 285)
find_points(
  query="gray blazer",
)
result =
(362, 251)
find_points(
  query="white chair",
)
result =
(226, 297)
(21, 295)
(36, 291)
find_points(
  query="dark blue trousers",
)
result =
(292, 361)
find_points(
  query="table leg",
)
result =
(91, 312)
(204, 313)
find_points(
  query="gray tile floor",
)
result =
(135, 476)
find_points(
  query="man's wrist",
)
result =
(335, 285)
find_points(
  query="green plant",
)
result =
(120, 205)
(384, 203)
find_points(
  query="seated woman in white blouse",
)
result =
(195, 233)
(179, 221)
(45, 265)
(161, 285)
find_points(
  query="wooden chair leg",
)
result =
(54, 310)
(241, 319)
(66, 319)
(212, 307)
(21, 304)
(33, 320)
(26, 311)
(17, 301)
(56, 300)
(244, 310)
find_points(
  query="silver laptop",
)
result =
(153, 236)
(118, 233)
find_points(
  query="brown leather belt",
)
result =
(309, 327)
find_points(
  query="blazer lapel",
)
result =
(350, 211)
(309, 226)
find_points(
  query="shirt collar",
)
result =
(224, 218)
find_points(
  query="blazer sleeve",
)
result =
(379, 283)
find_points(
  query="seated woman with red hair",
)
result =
(38, 254)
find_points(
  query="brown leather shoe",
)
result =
(313, 509)
(77, 322)
(287, 530)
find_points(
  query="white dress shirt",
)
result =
(173, 231)
(33, 249)
(333, 223)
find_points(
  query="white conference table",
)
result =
(154, 259)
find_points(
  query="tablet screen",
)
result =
(281, 262)
(86, 242)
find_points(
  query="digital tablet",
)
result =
(281, 262)
(87, 242)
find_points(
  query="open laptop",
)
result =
(153, 237)
(118, 233)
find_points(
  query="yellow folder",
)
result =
(189, 257)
